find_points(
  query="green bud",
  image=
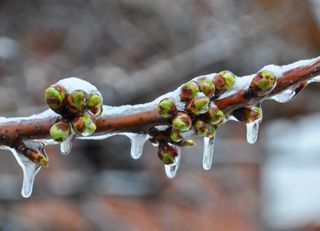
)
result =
(204, 129)
(36, 157)
(84, 124)
(181, 122)
(167, 108)
(188, 91)
(60, 131)
(55, 97)
(248, 114)
(206, 86)
(224, 80)
(188, 143)
(95, 103)
(175, 135)
(198, 105)
(214, 116)
(167, 153)
(77, 101)
(263, 82)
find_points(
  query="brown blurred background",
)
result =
(134, 51)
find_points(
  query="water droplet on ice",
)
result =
(252, 132)
(66, 146)
(208, 148)
(137, 143)
(172, 169)
(284, 96)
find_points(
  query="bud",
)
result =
(198, 105)
(204, 129)
(84, 124)
(95, 103)
(263, 82)
(188, 91)
(248, 114)
(175, 135)
(224, 80)
(214, 116)
(77, 101)
(188, 143)
(167, 153)
(206, 86)
(181, 122)
(60, 131)
(55, 97)
(167, 108)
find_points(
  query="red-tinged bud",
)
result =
(84, 124)
(198, 105)
(77, 101)
(188, 91)
(182, 122)
(167, 153)
(55, 97)
(188, 143)
(32, 154)
(224, 80)
(95, 103)
(206, 86)
(60, 131)
(204, 129)
(263, 82)
(214, 116)
(167, 108)
(175, 135)
(248, 114)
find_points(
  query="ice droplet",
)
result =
(252, 132)
(284, 96)
(66, 146)
(137, 143)
(29, 168)
(172, 169)
(208, 148)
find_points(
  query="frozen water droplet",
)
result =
(137, 143)
(284, 96)
(208, 148)
(252, 132)
(66, 146)
(29, 168)
(172, 169)
(315, 80)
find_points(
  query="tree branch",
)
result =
(38, 126)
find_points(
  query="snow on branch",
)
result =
(196, 108)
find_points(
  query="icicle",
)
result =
(172, 169)
(137, 143)
(284, 96)
(208, 148)
(252, 131)
(66, 146)
(29, 168)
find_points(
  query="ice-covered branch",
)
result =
(197, 108)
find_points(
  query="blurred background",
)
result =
(134, 51)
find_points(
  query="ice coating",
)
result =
(284, 96)
(315, 80)
(137, 143)
(208, 148)
(73, 83)
(252, 131)
(172, 169)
